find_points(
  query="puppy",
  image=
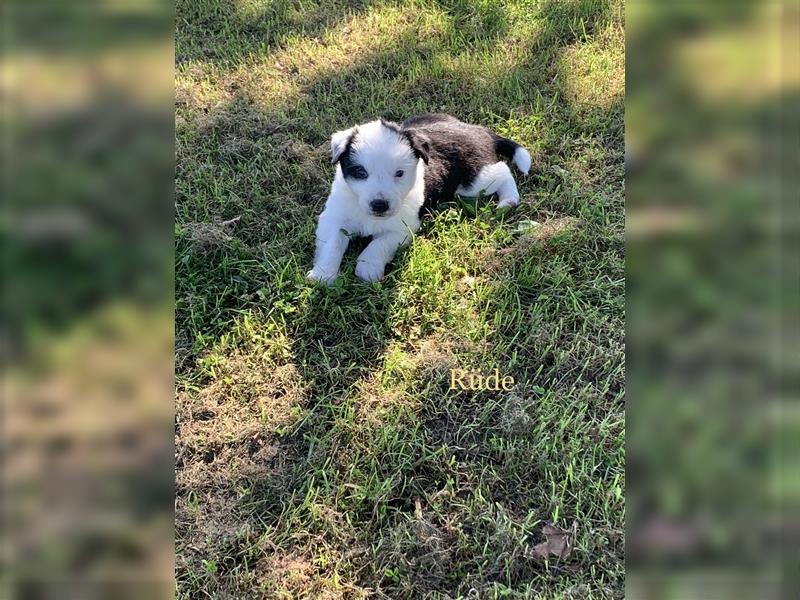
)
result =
(387, 174)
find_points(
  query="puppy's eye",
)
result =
(399, 173)
(358, 173)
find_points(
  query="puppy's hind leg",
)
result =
(491, 179)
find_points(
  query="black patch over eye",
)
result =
(357, 173)
(399, 173)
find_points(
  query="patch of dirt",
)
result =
(292, 575)
(184, 95)
(286, 572)
(227, 446)
(533, 236)
(249, 400)
(237, 119)
(547, 230)
(297, 151)
(515, 418)
(234, 148)
(420, 547)
(206, 235)
(374, 402)
(435, 358)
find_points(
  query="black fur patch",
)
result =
(420, 144)
(457, 152)
(347, 144)
(505, 147)
(345, 158)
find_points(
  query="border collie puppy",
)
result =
(386, 174)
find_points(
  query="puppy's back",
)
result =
(458, 152)
(445, 130)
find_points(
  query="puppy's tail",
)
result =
(514, 152)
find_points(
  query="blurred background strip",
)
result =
(88, 163)
(713, 419)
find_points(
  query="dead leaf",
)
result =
(558, 542)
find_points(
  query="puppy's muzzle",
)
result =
(379, 206)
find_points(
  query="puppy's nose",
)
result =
(379, 206)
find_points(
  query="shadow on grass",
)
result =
(380, 467)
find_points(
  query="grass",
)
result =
(320, 451)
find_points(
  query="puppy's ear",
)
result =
(340, 141)
(420, 144)
(390, 125)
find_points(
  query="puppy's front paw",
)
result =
(369, 271)
(321, 276)
(507, 203)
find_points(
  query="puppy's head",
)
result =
(379, 163)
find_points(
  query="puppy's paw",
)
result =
(369, 271)
(321, 276)
(507, 203)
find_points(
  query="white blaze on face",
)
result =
(389, 164)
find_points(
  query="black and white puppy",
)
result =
(387, 173)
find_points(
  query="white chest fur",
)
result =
(343, 218)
